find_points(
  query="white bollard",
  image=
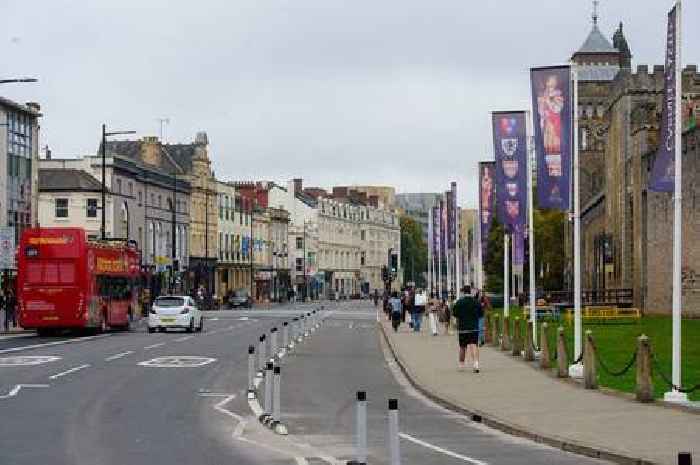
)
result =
(261, 356)
(302, 329)
(276, 394)
(273, 343)
(267, 408)
(307, 325)
(251, 372)
(295, 324)
(285, 336)
(361, 428)
(394, 452)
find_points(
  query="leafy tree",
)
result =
(414, 251)
(493, 263)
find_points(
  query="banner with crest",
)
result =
(510, 147)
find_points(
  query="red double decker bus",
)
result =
(66, 281)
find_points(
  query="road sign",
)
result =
(7, 248)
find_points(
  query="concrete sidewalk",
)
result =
(512, 395)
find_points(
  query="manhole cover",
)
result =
(177, 361)
(27, 360)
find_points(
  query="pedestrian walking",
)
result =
(396, 311)
(420, 300)
(433, 312)
(10, 309)
(467, 311)
(376, 297)
(485, 306)
(445, 315)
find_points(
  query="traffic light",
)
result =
(394, 263)
(385, 274)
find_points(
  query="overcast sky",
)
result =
(391, 92)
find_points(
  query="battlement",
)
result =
(644, 81)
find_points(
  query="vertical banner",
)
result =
(454, 212)
(551, 102)
(443, 226)
(436, 233)
(662, 174)
(510, 147)
(519, 248)
(449, 214)
(487, 199)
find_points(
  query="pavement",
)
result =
(515, 396)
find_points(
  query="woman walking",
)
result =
(396, 311)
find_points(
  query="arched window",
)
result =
(125, 219)
(152, 239)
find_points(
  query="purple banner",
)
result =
(487, 199)
(663, 173)
(453, 218)
(510, 146)
(519, 246)
(551, 101)
(449, 205)
(436, 233)
(443, 228)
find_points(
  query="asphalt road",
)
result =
(114, 399)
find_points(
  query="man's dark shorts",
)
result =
(471, 337)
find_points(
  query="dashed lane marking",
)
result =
(435, 448)
(153, 346)
(13, 392)
(27, 360)
(51, 344)
(67, 372)
(117, 356)
(177, 361)
(184, 338)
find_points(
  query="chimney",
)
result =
(150, 151)
(298, 185)
(34, 106)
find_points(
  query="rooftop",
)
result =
(67, 179)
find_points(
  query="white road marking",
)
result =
(238, 432)
(51, 344)
(13, 392)
(153, 346)
(449, 453)
(212, 319)
(27, 360)
(67, 372)
(177, 361)
(301, 461)
(116, 356)
(184, 338)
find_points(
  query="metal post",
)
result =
(307, 333)
(361, 428)
(104, 182)
(394, 452)
(261, 355)
(675, 395)
(267, 408)
(302, 329)
(295, 326)
(506, 276)
(531, 225)
(251, 372)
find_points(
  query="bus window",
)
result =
(50, 273)
(34, 272)
(66, 272)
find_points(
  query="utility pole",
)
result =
(105, 134)
(304, 250)
(175, 263)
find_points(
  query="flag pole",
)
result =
(576, 370)
(675, 395)
(531, 225)
(439, 254)
(506, 275)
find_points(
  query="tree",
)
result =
(493, 263)
(414, 251)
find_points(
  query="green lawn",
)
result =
(616, 343)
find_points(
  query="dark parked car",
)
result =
(239, 298)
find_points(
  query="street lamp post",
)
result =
(19, 80)
(106, 134)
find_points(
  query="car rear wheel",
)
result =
(201, 324)
(190, 328)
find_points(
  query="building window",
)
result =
(119, 186)
(140, 197)
(160, 201)
(131, 188)
(362, 259)
(91, 208)
(61, 208)
(362, 234)
(221, 246)
(300, 265)
(300, 243)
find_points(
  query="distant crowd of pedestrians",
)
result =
(8, 308)
(412, 305)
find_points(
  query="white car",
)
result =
(175, 311)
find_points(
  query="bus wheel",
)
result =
(45, 332)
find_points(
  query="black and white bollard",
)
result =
(361, 428)
(251, 372)
(276, 423)
(261, 356)
(313, 321)
(394, 452)
(307, 325)
(273, 343)
(285, 338)
(267, 408)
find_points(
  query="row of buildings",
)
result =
(194, 229)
